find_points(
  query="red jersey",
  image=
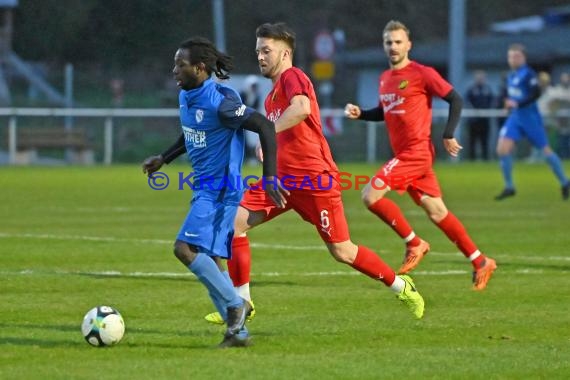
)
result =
(405, 95)
(302, 150)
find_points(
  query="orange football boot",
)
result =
(413, 257)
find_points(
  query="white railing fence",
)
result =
(109, 115)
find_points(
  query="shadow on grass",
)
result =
(51, 343)
(137, 338)
(76, 329)
(65, 328)
(258, 283)
(195, 336)
(14, 341)
(195, 346)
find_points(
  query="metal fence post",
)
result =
(108, 137)
(12, 126)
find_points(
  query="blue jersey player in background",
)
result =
(524, 121)
(213, 118)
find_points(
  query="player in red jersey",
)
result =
(306, 168)
(406, 91)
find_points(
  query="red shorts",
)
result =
(322, 208)
(412, 174)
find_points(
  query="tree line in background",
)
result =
(130, 37)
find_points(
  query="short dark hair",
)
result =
(203, 51)
(278, 31)
(518, 47)
(393, 25)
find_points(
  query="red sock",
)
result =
(391, 214)
(367, 262)
(456, 232)
(239, 266)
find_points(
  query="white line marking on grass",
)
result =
(107, 273)
(112, 239)
(149, 241)
(491, 214)
(95, 209)
(507, 256)
(290, 247)
(112, 273)
(87, 238)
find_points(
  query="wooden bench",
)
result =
(30, 140)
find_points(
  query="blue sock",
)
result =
(219, 303)
(228, 278)
(220, 306)
(556, 165)
(507, 169)
(209, 274)
(243, 333)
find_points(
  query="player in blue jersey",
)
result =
(213, 118)
(524, 121)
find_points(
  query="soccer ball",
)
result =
(103, 326)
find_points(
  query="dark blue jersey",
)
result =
(521, 84)
(211, 117)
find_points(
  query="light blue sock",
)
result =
(243, 333)
(219, 303)
(556, 165)
(228, 278)
(209, 274)
(220, 306)
(507, 170)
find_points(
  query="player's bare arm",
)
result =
(299, 109)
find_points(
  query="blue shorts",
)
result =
(209, 226)
(525, 124)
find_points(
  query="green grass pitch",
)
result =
(72, 238)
